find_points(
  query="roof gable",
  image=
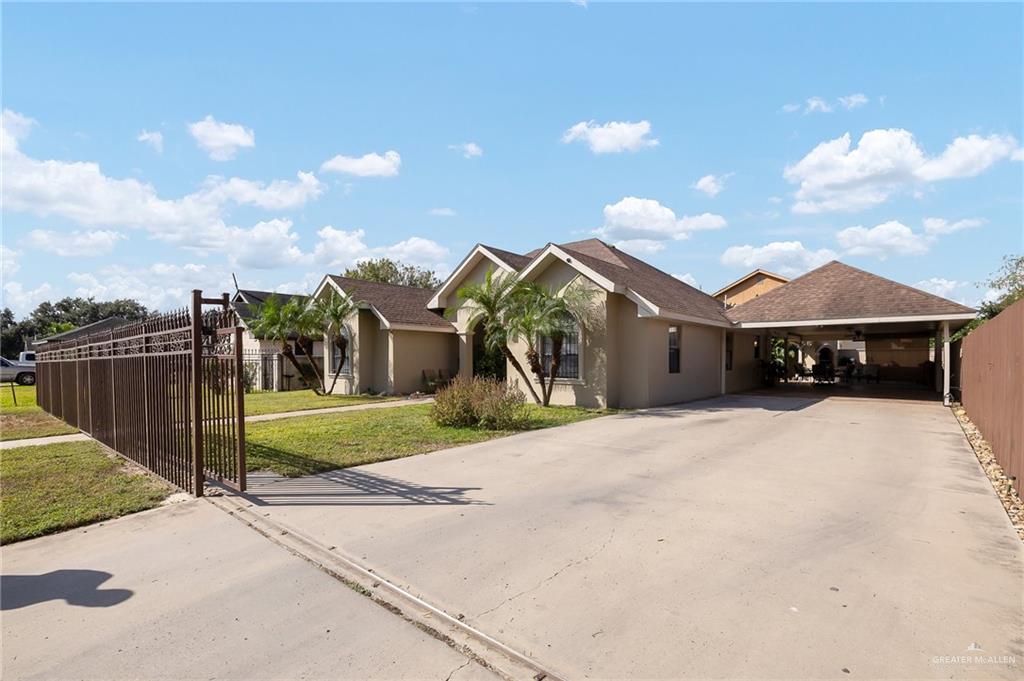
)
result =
(505, 260)
(644, 283)
(765, 273)
(839, 291)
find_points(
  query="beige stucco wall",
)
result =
(591, 389)
(749, 289)
(746, 369)
(416, 351)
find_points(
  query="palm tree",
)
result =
(543, 313)
(492, 304)
(332, 312)
(307, 325)
(277, 321)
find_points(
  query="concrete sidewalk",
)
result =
(188, 592)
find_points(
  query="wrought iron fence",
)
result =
(166, 393)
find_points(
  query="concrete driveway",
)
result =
(748, 536)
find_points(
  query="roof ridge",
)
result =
(380, 283)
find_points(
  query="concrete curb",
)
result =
(478, 646)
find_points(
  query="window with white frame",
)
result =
(569, 367)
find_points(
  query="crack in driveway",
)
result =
(556, 573)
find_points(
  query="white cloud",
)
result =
(817, 104)
(835, 177)
(791, 107)
(340, 248)
(788, 258)
(265, 245)
(853, 101)
(968, 156)
(22, 301)
(467, 149)
(368, 165)
(943, 226)
(634, 219)
(160, 286)
(82, 193)
(881, 241)
(712, 185)
(640, 246)
(75, 244)
(10, 261)
(687, 279)
(153, 139)
(941, 287)
(221, 140)
(442, 212)
(612, 137)
(277, 195)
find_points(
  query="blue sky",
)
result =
(152, 148)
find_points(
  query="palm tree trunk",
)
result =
(533, 358)
(306, 343)
(556, 361)
(519, 368)
(342, 344)
(286, 350)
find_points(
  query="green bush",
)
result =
(479, 403)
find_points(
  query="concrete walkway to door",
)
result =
(747, 536)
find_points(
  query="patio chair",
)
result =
(444, 378)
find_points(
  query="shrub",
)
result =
(479, 403)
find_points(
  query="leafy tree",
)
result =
(492, 304)
(1008, 280)
(277, 321)
(388, 271)
(333, 311)
(65, 314)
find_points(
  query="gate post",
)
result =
(197, 393)
(240, 406)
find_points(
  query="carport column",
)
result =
(945, 364)
(466, 354)
(722, 358)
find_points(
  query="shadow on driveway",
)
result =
(350, 487)
(77, 587)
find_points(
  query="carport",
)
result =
(904, 332)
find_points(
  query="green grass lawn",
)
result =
(27, 419)
(48, 488)
(311, 444)
(295, 400)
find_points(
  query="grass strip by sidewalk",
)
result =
(27, 419)
(313, 444)
(48, 488)
(297, 400)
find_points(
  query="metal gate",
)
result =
(166, 393)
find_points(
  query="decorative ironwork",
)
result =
(143, 390)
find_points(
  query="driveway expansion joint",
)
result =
(478, 646)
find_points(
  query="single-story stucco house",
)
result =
(656, 341)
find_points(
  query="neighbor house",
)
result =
(394, 340)
(268, 370)
(748, 287)
(655, 340)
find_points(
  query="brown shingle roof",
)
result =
(514, 259)
(838, 291)
(662, 289)
(397, 304)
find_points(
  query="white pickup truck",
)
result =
(22, 373)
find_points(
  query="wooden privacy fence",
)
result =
(992, 385)
(165, 393)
